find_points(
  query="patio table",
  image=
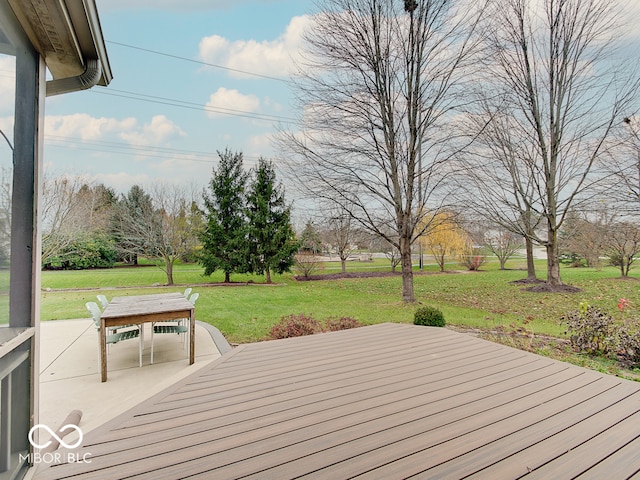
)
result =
(139, 309)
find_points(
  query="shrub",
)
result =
(295, 326)
(428, 316)
(591, 330)
(307, 263)
(473, 259)
(628, 345)
(342, 323)
(84, 253)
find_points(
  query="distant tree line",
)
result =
(241, 225)
(90, 226)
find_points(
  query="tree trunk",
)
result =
(227, 277)
(169, 270)
(553, 264)
(531, 266)
(407, 271)
(267, 274)
(343, 264)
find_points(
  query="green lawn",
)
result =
(245, 311)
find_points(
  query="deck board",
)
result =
(386, 401)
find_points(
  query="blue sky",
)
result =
(163, 118)
(133, 133)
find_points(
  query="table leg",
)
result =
(103, 350)
(192, 336)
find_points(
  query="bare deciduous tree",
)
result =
(381, 81)
(63, 213)
(585, 235)
(495, 182)
(340, 233)
(555, 82)
(624, 246)
(622, 168)
(162, 224)
(503, 244)
(178, 222)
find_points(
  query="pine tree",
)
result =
(135, 225)
(224, 245)
(271, 236)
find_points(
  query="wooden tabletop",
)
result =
(146, 305)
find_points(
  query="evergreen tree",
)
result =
(271, 237)
(310, 239)
(135, 225)
(224, 245)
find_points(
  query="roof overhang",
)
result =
(68, 35)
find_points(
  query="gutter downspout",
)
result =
(87, 79)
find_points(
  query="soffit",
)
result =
(65, 33)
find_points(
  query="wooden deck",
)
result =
(382, 402)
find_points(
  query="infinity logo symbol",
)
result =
(55, 435)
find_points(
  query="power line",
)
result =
(133, 150)
(132, 146)
(193, 106)
(178, 57)
(137, 150)
(8, 142)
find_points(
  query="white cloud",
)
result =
(84, 126)
(87, 128)
(261, 145)
(224, 99)
(267, 57)
(121, 182)
(630, 15)
(159, 131)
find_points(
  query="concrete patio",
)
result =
(70, 370)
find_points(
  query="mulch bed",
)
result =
(338, 276)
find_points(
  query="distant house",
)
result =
(35, 35)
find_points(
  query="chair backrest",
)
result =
(194, 297)
(187, 292)
(95, 312)
(103, 300)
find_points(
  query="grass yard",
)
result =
(246, 310)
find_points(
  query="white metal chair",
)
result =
(179, 327)
(112, 335)
(103, 300)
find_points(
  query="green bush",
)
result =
(85, 253)
(428, 316)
